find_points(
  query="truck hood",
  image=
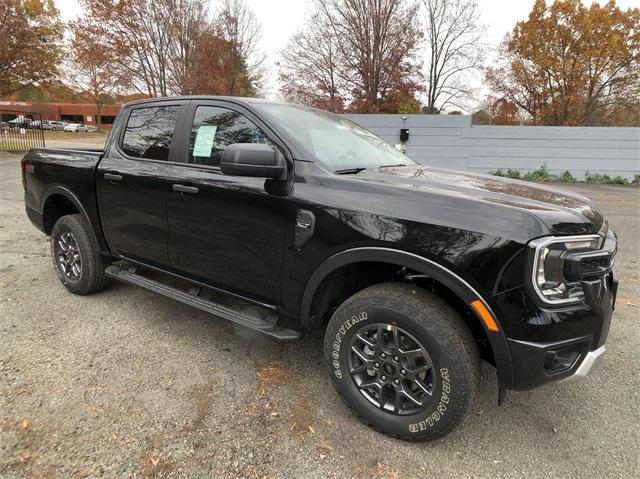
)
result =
(561, 211)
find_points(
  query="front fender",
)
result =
(432, 269)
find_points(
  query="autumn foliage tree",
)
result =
(569, 64)
(363, 53)
(172, 47)
(92, 67)
(30, 35)
(497, 111)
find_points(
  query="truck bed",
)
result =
(51, 171)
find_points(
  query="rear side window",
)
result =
(215, 128)
(149, 131)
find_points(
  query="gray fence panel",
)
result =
(410, 121)
(451, 141)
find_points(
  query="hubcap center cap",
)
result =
(389, 369)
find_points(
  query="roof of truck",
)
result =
(235, 99)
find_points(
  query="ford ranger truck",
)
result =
(289, 220)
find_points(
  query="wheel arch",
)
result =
(458, 285)
(55, 192)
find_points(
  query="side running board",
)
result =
(128, 274)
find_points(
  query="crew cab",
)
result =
(289, 220)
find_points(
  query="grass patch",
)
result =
(542, 174)
(606, 179)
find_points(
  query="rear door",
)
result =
(228, 231)
(132, 185)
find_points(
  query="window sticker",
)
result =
(204, 140)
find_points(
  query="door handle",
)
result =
(192, 190)
(113, 176)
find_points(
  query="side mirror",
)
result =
(253, 159)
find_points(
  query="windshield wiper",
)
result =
(391, 166)
(350, 171)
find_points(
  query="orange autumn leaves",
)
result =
(570, 64)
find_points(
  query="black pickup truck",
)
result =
(290, 220)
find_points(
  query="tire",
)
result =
(82, 269)
(437, 355)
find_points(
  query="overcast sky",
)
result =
(280, 18)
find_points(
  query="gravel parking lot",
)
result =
(125, 383)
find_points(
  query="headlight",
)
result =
(548, 270)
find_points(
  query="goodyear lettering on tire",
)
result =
(342, 330)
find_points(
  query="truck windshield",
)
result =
(335, 141)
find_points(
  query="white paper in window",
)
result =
(204, 140)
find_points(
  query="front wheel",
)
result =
(402, 360)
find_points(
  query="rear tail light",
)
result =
(24, 175)
(26, 168)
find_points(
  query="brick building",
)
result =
(70, 112)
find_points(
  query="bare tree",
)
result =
(190, 23)
(363, 51)
(454, 51)
(310, 67)
(239, 26)
(152, 41)
(376, 42)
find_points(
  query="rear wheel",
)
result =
(402, 360)
(76, 257)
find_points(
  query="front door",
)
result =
(132, 187)
(228, 231)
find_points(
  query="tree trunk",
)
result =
(98, 119)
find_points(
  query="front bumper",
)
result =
(562, 346)
(590, 362)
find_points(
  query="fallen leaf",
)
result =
(326, 445)
(24, 424)
(25, 455)
(312, 430)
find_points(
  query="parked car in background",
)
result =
(19, 122)
(35, 125)
(76, 127)
(53, 125)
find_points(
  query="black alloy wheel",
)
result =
(392, 369)
(403, 360)
(76, 255)
(68, 255)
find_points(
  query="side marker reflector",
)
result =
(486, 317)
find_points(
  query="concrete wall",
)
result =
(451, 142)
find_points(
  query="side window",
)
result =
(149, 131)
(214, 129)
